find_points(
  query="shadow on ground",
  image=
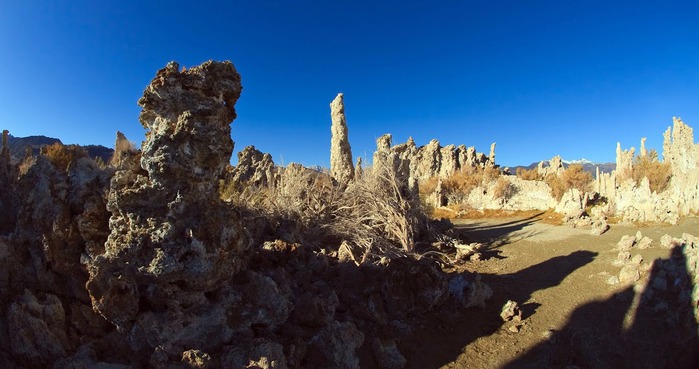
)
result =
(663, 333)
(496, 235)
(452, 336)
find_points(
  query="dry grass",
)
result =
(62, 156)
(379, 213)
(459, 185)
(455, 212)
(573, 177)
(529, 174)
(504, 189)
(428, 186)
(658, 173)
(122, 149)
(376, 214)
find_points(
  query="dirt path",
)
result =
(571, 315)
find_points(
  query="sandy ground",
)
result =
(571, 316)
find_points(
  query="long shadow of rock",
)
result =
(662, 334)
(449, 337)
(495, 236)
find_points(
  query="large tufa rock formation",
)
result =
(624, 160)
(172, 239)
(679, 148)
(680, 151)
(254, 168)
(341, 167)
(636, 202)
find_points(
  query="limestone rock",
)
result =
(668, 242)
(335, 346)
(599, 227)
(37, 329)
(470, 251)
(358, 168)
(254, 168)
(428, 160)
(448, 163)
(679, 148)
(572, 204)
(635, 202)
(644, 243)
(626, 242)
(469, 291)
(629, 274)
(169, 229)
(554, 167)
(623, 257)
(260, 353)
(510, 311)
(433, 160)
(341, 167)
(387, 355)
(9, 200)
(196, 359)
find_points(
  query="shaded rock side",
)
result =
(254, 168)
(172, 238)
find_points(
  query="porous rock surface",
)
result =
(637, 202)
(341, 167)
(254, 168)
(171, 235)
(434, 160)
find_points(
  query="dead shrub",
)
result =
(379, 213)
(428, 186)
(529, 174)
(504, 189)
(573, 177)
(122, 148)
(459, 185)
(62, 156)
(658, 173)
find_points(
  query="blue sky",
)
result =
(540, 78)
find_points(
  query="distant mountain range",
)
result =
(587, 165)
(18, 147)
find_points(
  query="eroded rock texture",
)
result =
(555, 166)
(58, 218)
(341, 167)
(8, 195)
(636, 202)
(433, 160)
(172, 239)
(254, 168)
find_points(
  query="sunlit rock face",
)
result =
(636, 202)
(172, 239)
(341, 167)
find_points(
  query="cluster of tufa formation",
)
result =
(638, 201)
(433, 160)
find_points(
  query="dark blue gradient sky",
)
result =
(540, 78)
